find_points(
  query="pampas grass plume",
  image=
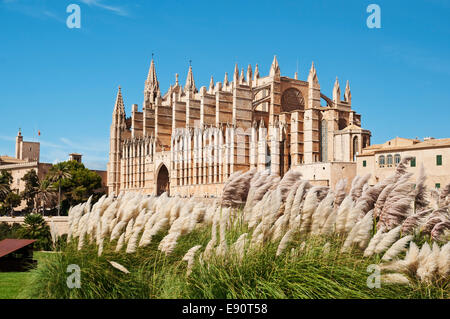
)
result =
(119, 267)
(388, 240)
(189, 257)
(285, 241)
(398, 247)
(395, 278)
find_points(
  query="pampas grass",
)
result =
(387, 240)
(370, 250)
(444, 261)
(284, 242)
(120, 242)
(428, 264)
(119, 267)
(189, 257)
(260, 212)
(236, 190)
(238, 248)
(396, 278)
(398, 247)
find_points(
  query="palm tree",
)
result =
(4, 189)
(57, 174)
(45, 193)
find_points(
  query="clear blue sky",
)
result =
(63, 81)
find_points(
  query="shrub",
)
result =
(35, 227)
(9, 231)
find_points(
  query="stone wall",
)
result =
(60, 222)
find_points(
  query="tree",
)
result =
(81, 184)
(9, 231)
(35, 227)
(57, 174)
(5, 184)
(4, 189)
(29, 194)
(8, 199)
(11, 201)
(45, 193)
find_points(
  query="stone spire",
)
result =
(336, 92)
(236, 74)
(225, 80)
(242, 77)
(256, 73)
(312, 77)
(249, 75)
(275, 68)
(211, 85)
(190, 83)
(151, 86)
(119, 107)
(348, 94)
(152, 81)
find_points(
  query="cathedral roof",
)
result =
(352, 127)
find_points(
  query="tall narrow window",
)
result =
(268, 157)
(389, 160)
(381, 161)
(355, 148)
(397, 159)
(364, 163)
(324, 141)
(413, 162)
(438, 160)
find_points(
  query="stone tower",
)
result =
(19, 141)
(117, 131)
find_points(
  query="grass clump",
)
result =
(296, 274)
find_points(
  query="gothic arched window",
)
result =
(292, 99)
(355, 148)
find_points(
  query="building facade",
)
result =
(188, 141)
(28, 158)
(380, 160)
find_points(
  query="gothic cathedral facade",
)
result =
(188, 141)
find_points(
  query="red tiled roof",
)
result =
(8, 246)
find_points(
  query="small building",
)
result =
(26, 158)
(380, 160)
(75, 157)
(16, 255)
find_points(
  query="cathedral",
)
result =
(188, 141)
